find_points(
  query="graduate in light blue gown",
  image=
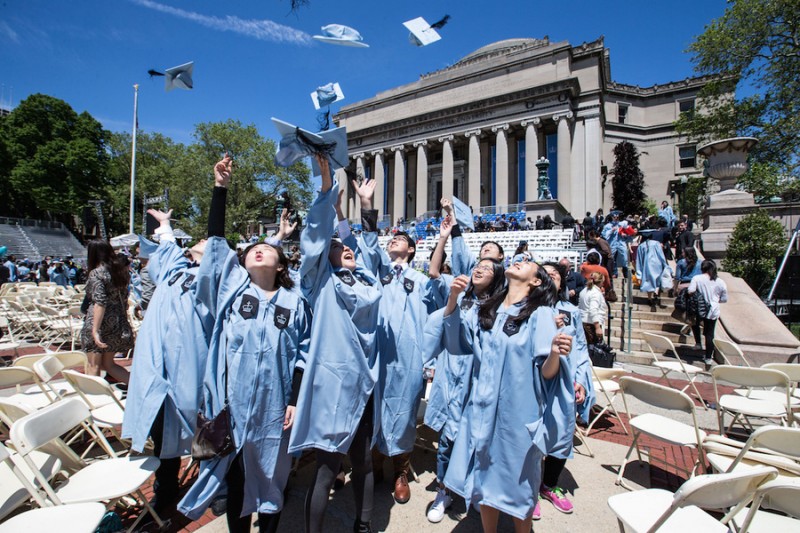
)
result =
(619, 235)
(497, 457)
(256, 355)
(450, 387)
(571, 395)
(667, 214)
(169, 359)
(650, 267)
(461, 258)
(336, 412)
(408, 298)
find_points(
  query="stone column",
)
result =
(341, 177)
(564, 156)
(593, 147)
(399, 200)
(422, 176)
(447, 167)
(531, 156)
(474, 170)
(356, 209)
(377, 200)
(501, 166)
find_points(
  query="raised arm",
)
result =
(368, 246)
(168, 257)
(437, 259)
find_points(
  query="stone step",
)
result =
(638, 344)
(664, 315)
(669, 330)
(655, 324)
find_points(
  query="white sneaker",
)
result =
(442, 502)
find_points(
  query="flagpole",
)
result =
(133, 153)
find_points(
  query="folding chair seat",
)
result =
(658, 426)
(744, 408)
(108, 480)
(793, 371)
(18, 483)
(779, 495)
(75, 518)
(660, 344)
(652, 510)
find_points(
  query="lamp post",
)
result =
(684, 185)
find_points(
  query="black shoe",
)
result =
(219, 506)
(362, 527)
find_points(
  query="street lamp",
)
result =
(684, 184)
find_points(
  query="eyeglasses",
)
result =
(484, 268)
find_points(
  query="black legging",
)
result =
(166, 483)
(362, 477)
(709, 325)
(267, 523)
(553, 466)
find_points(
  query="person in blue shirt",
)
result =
(58, 274)
(667, 214)
(619, 236)
(497, 457)
(257, 351)
(450, 387)
(462, 260)
(11, 265)
(570, 396)
(338, 403)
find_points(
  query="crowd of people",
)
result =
(61, 271)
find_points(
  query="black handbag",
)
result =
(602, 355)
(213, 437)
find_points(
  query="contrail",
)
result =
(263, 30)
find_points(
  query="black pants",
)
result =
(166, 483)
(553, 466)
(362, 477)
(709, 325)
(267, 523)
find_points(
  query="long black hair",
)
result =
(99, 252)
(709, 267)
(543, 294)
(497, 284)
(691, 258)
(561, 294)
(282, 277)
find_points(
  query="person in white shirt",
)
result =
(593, 308)
(715, 292)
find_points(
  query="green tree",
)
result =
(754, 247)
(55, 159)
(627, 180)
(754, 45)
(765, 181)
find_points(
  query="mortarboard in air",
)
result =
(326, 95)
(422, 33)
(297, 143)
(463, 214)
(179, 77)
(146, 247)
(340, 34)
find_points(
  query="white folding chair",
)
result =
(793, 371)
(660, 427)
(652, 510)
(744, 408)
(605, 383)
(16, 377)
(75, 518)
(774, 446)
(103, 400)
(730, 352)
(46, 369)
(658, 344)
(782, 496)
(17, 482)
(108, 480)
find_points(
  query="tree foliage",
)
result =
(755, 45)
(628, 180)
(765, 182)
(754, 247)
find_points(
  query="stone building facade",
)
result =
(475, 130)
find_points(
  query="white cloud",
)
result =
(8, 32)
(263, 30)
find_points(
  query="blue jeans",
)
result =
(443, 457)
(619, 256)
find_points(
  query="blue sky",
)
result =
(255, 59)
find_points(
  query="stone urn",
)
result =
(727, 159)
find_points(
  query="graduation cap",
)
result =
(343, 35)
(179, 77)
(146, 247)
(463, 214)
(422, 33)
(297, 143)
(326, 95)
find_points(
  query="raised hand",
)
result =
(562, 344)
(365, 192)
(447, 205)
(285, 227)
(458, 286)
(338, 206)
(161, 216)
(446, 227)
(222, 171)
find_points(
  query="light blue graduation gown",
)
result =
(261, 341)
(461, 259)
(667, 214)
(560, 412)
(170, 356)
(405, 305)
(617, 242)
(342, 365)
(650, 264)
(497, 457)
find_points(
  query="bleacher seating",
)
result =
(36, 239)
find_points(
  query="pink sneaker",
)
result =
(557, 497)
(537, 510)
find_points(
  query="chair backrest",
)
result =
(37, 429)
(26, 361)
(10, 411)
(656, 395)
(88, 386)
(659, 345)
(72, 359)
(13, 376)
(777, 439)
(750, 377)
(728, 349)
(47, 368)
(601, 373)
(790, 369)
(783, 496)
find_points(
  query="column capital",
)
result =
(472, 133)
(360, 155)
(379, 151)
(535, 122)
(500, 127)
(444, 138)
(423, 142)
(568, 116)
(397, 148)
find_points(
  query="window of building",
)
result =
(686, 106)
(687, 156)
(623, 113)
